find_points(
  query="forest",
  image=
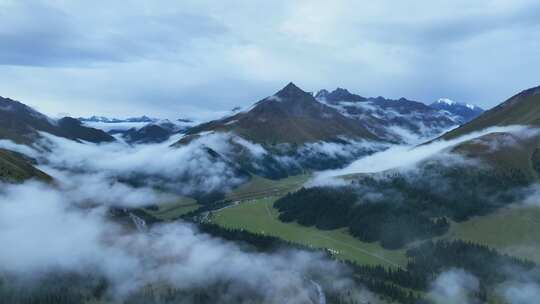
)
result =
(398, 208)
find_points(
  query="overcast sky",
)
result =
(192, 58)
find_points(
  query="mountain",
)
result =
(461, 112)
(285, 134)
(338, 95)
(21, 124)
(144, 133)
(513, 150)
(520, 109)
(289, 116)
(94, 118)
(16, 168)
(399, 120)
(72, 128)
(154, 132)
(139, 130)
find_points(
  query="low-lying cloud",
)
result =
(44, 231)
(453, 287)
(183, 169)
(408, 157)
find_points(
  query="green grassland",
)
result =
(14, 168)
(259, 216)
(173, 210)
(259, 187)
(509, 230)
(514, 231)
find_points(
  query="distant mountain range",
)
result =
(313, 131)
(94, 118)
(460, 112)
(322, 131)
(393, 120)
(295, 116)
(139, 130)
(289, 116)
(154, 132)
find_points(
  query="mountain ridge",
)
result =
(522, 108)
(22, 124)
(289, 116)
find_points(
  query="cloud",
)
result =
(103, 189)
(454, 286)
(44, 231)
(532, 196)
(140, 55)
(184, 169)
(40, 33)
(254, 149)
(521, 293)
(23, 149)
(407, 157)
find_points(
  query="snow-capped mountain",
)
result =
(104, 119)
(289, 116)
(287, 133)
(460, 112)
(400, 120)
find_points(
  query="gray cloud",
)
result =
(86, 242)
(172, 59)
(38, 33)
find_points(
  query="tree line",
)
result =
(397, 209)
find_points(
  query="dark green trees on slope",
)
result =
(399, 208)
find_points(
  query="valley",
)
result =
(269, 152)
(319, 188)
(258, 216)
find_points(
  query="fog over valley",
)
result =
(278, 152)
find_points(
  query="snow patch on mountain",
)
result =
(447, 101)
(451, 102)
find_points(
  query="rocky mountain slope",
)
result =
(460, 112)
(399, 120)
(289, 116)
(22, 124)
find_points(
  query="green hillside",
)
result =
(510, 230)
(505, 151)
(14, 168)
(521, 109)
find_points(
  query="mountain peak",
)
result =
(291, 91)
(445, 103)
(339, 90)
(339, 94)
(322, 93)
